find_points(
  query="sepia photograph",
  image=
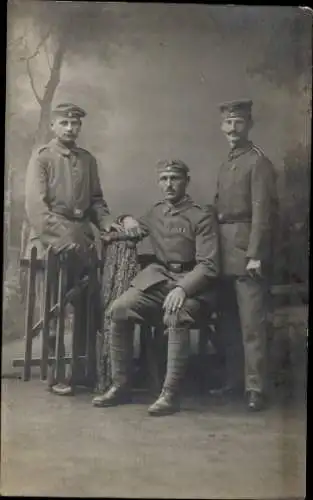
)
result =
(156, 250)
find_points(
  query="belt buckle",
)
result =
(78, 213)
(175, 267)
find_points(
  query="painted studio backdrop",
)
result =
(150, 78)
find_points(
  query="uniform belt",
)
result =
(178, 267)
(223, 219)
(75, 214)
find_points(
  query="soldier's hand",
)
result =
(174, 300)
(131, 226)
(115, 226)
(254, 268)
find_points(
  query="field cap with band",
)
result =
(172, 165)
(69, 110)
(231, 109)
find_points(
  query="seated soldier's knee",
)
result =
(185, 317)
(178, 320)
(121, 308)
(118, 310)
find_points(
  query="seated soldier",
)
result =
(177, 289)
(63, 197)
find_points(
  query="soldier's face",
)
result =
(236, 130)
(66, 129)
(173, 185)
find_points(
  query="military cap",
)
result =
(240, 108)
(68, 110)
(170, 165)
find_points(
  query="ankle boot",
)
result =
(121, 340)
(121, 343)
(112, 397)
(177, 357)
(166, 404)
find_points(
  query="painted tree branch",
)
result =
(54, 79)
(47, 56)
(13, 43)
(37, 50)
(32, 82)
(50, 88)
(28, 67)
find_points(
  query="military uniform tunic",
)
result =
(246, 204)
(63, 196)
(185, 243)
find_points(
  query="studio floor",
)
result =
(213, 448)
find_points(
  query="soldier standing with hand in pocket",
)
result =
(246, 203)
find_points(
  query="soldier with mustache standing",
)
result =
(246, 203)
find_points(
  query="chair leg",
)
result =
(54, 283)
(152, 357)
(203, 341)
(93, 308)
(76, 333)
(60, 347)
(30, 309)
(46, 317)
(90, 341)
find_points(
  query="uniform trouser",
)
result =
(244, 307)
(146, 306)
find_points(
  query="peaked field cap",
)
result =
(69, 110)
(170, 165)
(241, 107)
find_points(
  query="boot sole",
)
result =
(255, 409)
(61, 393)
(163, 413)
(108, 404)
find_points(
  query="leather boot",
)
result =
(62, 389)
(121, 340)
(166, 404)
(112, 397)
(256, 401)
(177, 357)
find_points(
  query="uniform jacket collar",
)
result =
(62, 148)
(185, 202)
(235, 153)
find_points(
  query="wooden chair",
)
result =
(55, 297)
(153, 343)
(153, 351)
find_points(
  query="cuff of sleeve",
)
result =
(106, 223)
(251, 256)
(188, 285)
